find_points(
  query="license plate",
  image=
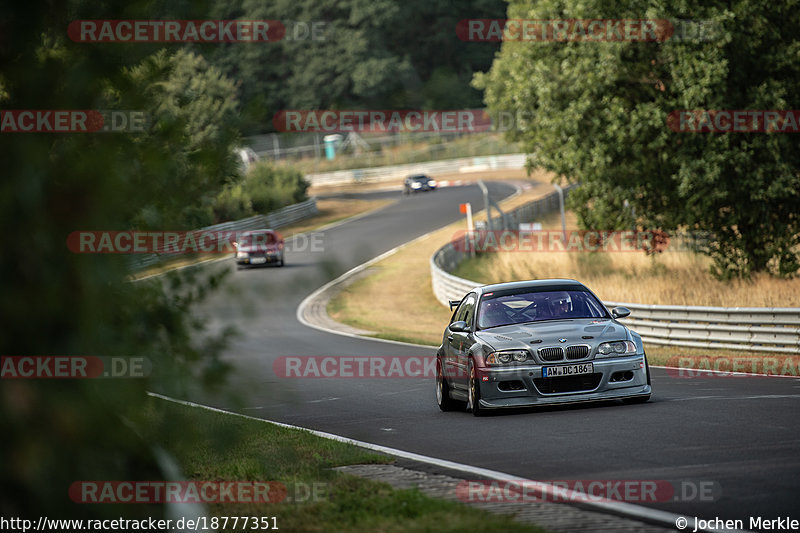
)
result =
(567, 370)
(257, 260)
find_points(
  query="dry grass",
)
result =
(412, 304)
(723, 360)
(668, 278)
(676, 278)
(671, 278)
(389, 281)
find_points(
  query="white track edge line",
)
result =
(620, 508)
(300, 312)
(726, 372)
(359, 268)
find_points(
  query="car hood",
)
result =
(550, 333)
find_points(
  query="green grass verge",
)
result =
(215, 446)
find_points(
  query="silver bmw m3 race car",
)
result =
(538, 342)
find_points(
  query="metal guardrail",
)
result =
(277, 219)
(449, 287)
(763, 329)
(757, 329)
(378, 174)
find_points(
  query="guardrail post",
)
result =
(561, 208)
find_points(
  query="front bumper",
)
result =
(524, 386)
(259, 259)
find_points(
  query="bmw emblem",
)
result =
(562, 340)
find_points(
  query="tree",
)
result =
(596, 113)
(262, 189)
(194, 115)
(372, 54)
(56, 432)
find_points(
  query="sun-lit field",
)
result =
(677, 278)
(667, 278)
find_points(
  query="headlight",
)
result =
(432, 183)
(507, 356)
(415, 185)
(241, 255)
(610, 349)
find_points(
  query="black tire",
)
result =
(443, 399)
(474, 394)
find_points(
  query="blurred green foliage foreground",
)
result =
(55, 432)
(594, 113)
(179, 173)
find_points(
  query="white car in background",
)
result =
(247, 157)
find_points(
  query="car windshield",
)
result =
(502, 309)
(420, 179)
(255, 239)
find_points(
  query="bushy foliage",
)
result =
(58, 303)
(263, 189)
(596, 113)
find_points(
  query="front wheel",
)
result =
(474, 401)
(443, 399)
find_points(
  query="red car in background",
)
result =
(259, 247)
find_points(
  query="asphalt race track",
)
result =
(738, 435)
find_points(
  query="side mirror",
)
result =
(620, 312)
(453, 303)
(459, 326)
